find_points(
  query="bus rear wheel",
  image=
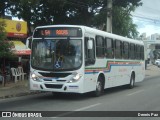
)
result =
(99, 87)
(132, 82)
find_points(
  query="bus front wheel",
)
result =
(99, 87)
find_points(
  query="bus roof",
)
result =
(97, 32)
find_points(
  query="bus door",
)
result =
(89, 58)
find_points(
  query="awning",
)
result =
(20, 48)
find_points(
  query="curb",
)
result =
(151, 77)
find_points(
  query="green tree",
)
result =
(46, 12)
(24, 9)
(84, 12)
(5, 47)
(122, 23)
(4, 5)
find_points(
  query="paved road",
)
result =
(144, 97)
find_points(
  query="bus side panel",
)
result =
(92, 72)
(140, 72)
(89, 81)
(121, 73)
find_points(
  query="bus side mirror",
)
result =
(28, 42)
(90, 44)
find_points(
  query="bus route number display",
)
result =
(61, 32)
(58, 32)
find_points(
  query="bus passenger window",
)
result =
(138, 52)
(142, 53)
(132, 51)
(118, 49)
(100, 46)
(125, 50)
(109, 48)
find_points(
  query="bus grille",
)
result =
(58, 75)
(54, 80)
(56, 86)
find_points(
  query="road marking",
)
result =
(84, 108)
(135, 92)
(80, 109)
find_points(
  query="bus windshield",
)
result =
(56, 54)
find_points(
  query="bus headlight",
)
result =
(35, 77)
(75, 78)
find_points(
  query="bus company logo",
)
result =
(6, 114)
(18, 27)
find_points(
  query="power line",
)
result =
(146, 18)
(155, 20)
(157, 10)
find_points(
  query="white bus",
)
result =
(80, 59)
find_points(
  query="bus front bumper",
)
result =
(56, 87)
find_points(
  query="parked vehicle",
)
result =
(157, 62)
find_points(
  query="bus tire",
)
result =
(132, 82)
(99, 87)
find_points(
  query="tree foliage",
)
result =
(122, 23)
(5, 46)
(4, 5)
(126, 26)
(82, 12)
(24, 9)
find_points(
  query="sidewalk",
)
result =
(21, 88)
(152, 71)
(12, 89)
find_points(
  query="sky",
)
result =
(147, 17)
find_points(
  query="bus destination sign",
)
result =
(58, 32)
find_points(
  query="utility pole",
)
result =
(109, 16)
(145, 53)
